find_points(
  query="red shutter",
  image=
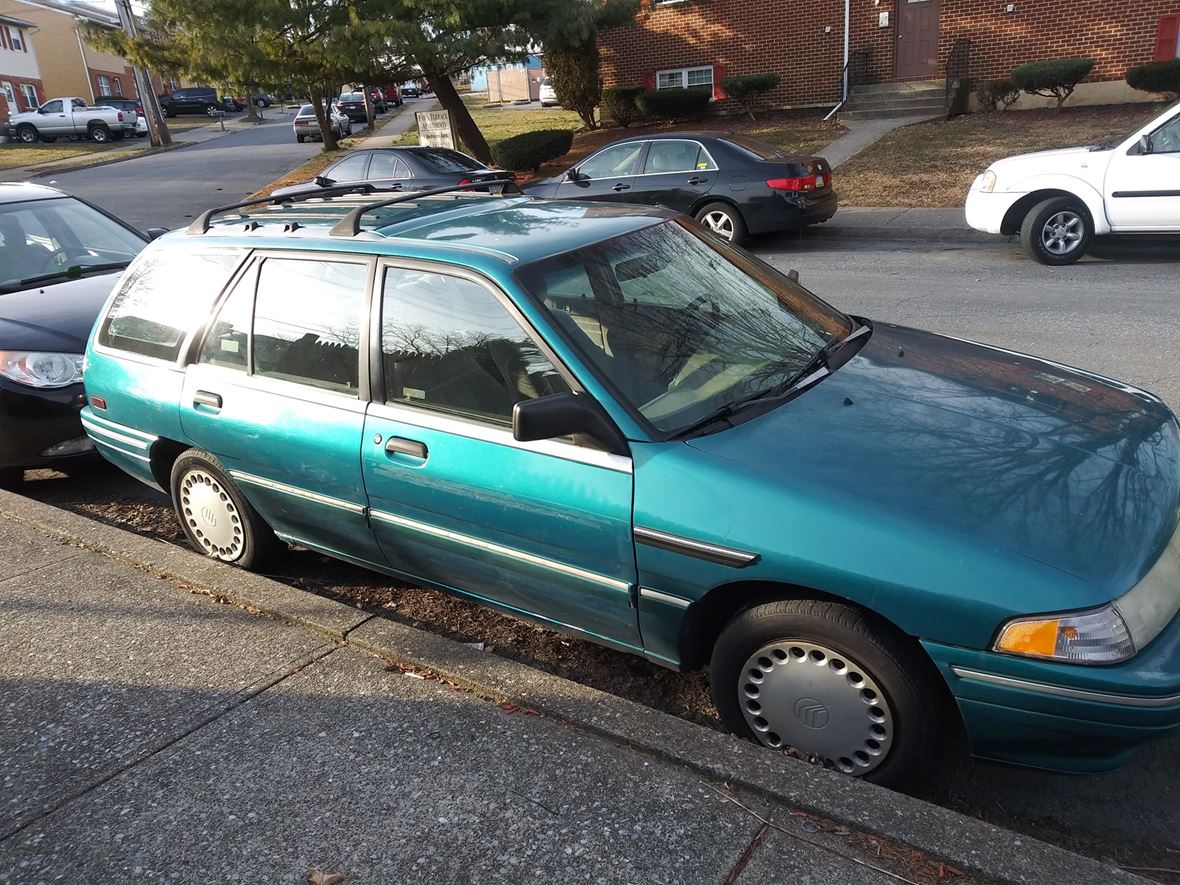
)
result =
(649, 79)
(1166, 35)
(718, 76)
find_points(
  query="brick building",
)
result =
(20, 75)
(697, 42)
(70, 65)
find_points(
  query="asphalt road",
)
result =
(166, 190)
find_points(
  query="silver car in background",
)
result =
(306, 126)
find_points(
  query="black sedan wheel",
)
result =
(723, 220)
(824, 679)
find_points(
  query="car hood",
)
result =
(1019, 454)
(1065, 160)
(54, 318)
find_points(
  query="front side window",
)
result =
(449, 345)
(53, 107)
(163, 296)
(350, 169)
(612, 162)
(383, 165)
(227, 340)
(680, 322)
(1166, 139)
(307, 322)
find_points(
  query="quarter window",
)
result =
(163, 296)
(616, 160)
(307, 322)
(449, 345)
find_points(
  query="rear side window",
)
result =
(445, 160)
(162, 297)
(307, 322)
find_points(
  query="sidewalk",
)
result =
(151, 732)
(396, 126)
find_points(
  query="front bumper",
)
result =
(1064, 717)
(986, 211)
(34, 421)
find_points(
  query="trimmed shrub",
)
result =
(619, 102)
(575, 79)
(527, 151)
(746, 89)
(997, 94)
(1053, 78)
(674, 104)
(1156, 76)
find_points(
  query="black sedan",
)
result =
(59, 259)
(352, 105)
(732, 184)
(401, 168)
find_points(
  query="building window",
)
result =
(9, 94)
(16, 39)
(104, 84)
(30, 92)
(118, 87)
(679, 78)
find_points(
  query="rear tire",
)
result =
(299, 138)
(1057, 231)
(211, 110)
(723, 220)
(99, 133)
(830, 681)
(216, 518)
(27, 134)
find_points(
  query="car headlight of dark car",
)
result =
(40, 369)
(1106, 635)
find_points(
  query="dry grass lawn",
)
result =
(933, 164)
(15, 155)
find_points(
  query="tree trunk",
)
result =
(324, 118)
(469, 133)
(370, 117)
(251, 111)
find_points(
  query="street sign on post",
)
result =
(436, 129)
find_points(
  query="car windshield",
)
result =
(682, 324)
(306, 111)
(44, 240)
(446, 160)
(352, 96)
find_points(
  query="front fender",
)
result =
(1080, 188)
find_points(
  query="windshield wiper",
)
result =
(815, 369)
(73, 272)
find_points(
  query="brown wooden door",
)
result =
(917, 39)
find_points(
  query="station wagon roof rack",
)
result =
(350, 224)
(200, 224)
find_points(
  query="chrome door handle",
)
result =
(621, 187)
(397, 445)
(698, 180)
(205, 398)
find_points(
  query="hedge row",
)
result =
(527, 151)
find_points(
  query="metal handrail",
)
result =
(853, 74)
(958, 64)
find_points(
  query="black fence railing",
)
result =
(958, 66)
(855, 73)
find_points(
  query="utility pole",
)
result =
(157, 128)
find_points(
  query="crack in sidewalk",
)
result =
(238, 699)
(740, 866)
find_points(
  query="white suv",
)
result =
(547, 94)
(1060, 200)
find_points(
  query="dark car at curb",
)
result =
(59, 259)
(732, 184)
(397, 168)
(193, 100)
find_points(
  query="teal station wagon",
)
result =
(603, 418)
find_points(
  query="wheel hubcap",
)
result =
(817, 700)
(211, 515)
(1062, 233)
(720, 223)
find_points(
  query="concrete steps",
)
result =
(886, 100)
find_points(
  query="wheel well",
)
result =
(1014, 217)
(709, 198)
(164, 454)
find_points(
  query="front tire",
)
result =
(27, 134)
(723, 220)
(1057, 231)
(299, 138)
(827, 680)
(216, 518)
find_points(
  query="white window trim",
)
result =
(16, 39)
(9, 93)
(104, 88)
(684, 72)
(117, 86)
(30, 94)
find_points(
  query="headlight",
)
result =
(45, 370)
(1094, 637)
(987, 182)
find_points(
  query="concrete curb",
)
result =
(42, 171)
(980, 849)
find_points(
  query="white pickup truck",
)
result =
(71, 118)
(1058, 201)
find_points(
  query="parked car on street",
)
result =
(396, 168)
(194, 100)
(70, 118)
(128, 106)
(411, 90)
(547, 95)
(306, 126)
(352, 105)
(732, 184)
(59, 259)
(605, 418)
(1059, 201)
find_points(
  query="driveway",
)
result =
(167, 190)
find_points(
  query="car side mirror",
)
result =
(324, 181)
(1145, 144)
(564, 414)
(571, 175)
(155, 232)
